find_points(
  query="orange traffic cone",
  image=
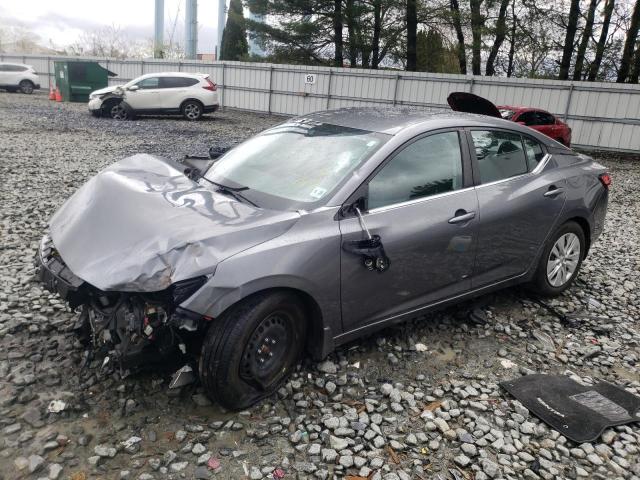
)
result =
(58, 96)
(52, 94)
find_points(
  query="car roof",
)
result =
(174, 74)
(393, 120)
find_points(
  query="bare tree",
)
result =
(567, 52)
(584, 42)
(412, 32)
(629, 43)
(457, 25)
(477, 24)
(602, 41)
(501, 33)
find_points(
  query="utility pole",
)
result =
(191, 29)
(158, 40)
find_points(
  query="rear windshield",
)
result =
(297, 164)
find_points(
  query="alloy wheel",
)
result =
(563, 259)
(192, 111)
(26, 87)
(118, 112)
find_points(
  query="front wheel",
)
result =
(117, 111)
(26, 87)
(561, 260)
(192, 110)
(252, 348)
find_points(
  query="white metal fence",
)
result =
(602, 115)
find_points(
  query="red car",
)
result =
(539, 120)
(535, 118)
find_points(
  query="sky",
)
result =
(62, 21)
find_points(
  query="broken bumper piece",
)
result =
(135, 328)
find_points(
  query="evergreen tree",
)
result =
(234, 38)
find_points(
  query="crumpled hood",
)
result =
(141, 225)
(104, 90)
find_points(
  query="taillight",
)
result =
(605, 179)
(211, 86)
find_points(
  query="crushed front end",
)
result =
(129, 328)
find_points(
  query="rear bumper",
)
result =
(211, 108)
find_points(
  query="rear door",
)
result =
(519, 201)
(425, 211)
(175, 90)
(147, 97)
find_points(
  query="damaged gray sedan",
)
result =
(313, 233)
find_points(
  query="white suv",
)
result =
(188, 94)
(17, 76)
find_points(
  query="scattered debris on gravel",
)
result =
(416, 401)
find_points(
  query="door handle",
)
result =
(553, 192)
(462, 216)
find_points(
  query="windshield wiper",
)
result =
(233, 191)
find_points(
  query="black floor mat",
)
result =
(579, 412)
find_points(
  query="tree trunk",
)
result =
(512, 43)
(635, 73)
(602, 41)
(584, 42)
(337, 32)
(457, 25)
(629, 44)
(501, 33)
(476, 35)
(412, 32)
(353, 46)
(567, 52)
(375, 43)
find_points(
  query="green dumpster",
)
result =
(77, 79)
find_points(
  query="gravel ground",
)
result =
(420, 400)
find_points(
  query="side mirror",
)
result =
(370, 249)
(217, 152)
(133, 88)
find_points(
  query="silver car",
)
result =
(313, 233)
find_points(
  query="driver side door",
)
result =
(147, 96)
(421, 203)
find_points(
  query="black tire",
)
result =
(251, 349)
(27, 86)
(541, 283)
(192, 110)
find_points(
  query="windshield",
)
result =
(295, 165)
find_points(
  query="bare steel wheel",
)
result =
(563, 259)
(192, 110)
(560, 261)
(252, 348)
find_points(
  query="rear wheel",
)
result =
(26, 86)
(561, 260)
(192, 110)
(251, 349)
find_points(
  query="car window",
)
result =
(426, 167)
(534, 150)
(177, 82)
(150, 82)
(544, 118)
(528, 118)
(500, 154)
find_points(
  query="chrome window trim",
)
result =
(535, 171)
(393, 206)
